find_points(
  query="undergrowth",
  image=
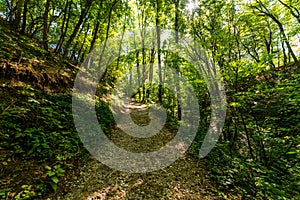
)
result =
(36, 129)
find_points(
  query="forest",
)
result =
(220, 77)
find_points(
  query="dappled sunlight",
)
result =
(195, 99)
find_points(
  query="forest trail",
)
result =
(186, 178)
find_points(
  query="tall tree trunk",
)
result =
(83, 15)
(95, 32)
(138, 74)
(263, 9)
(143, 64)
(45, 25)
(96, 29)
(18, 13)
(157, 23)
(142, 32)
(65, 25)
(284, 54)
(138, 70)
(152, 57)
(106, 36)
(24, 17)
(178, 96)
(120, 47)
(285, 39)
(76, 51)
(82, 45)
(247, 136)
(268, 43)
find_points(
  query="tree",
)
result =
(83, 14)
(65, 25)
(45, 24)
(264, 10)
(157, 24)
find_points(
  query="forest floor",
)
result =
(88, 179)
(184, 179)
(187, 178)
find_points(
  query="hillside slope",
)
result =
(38, 141)
(22, 60)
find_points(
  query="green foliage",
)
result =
(266, 110)
(255, 44)
(105, 116)
(3, 192)
(37, 126)
(47, 128)
(53, 175)
(251, 179)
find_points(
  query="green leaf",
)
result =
(51, 173)
(54, 186)
(47, 167)
(54, 179)
(235, 104)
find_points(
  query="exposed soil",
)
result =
(186, 178)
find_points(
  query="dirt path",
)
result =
(184, 179)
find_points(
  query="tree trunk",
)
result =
(247, 136)
(95, 33)
(18, 13)
(160, 88)
(266, 12)
(83, 15)
(152, 56)
(45, 25)
(178, 96)
(120, 47)
(138, 74)
(24, 20)
(82, 45)
(106, 37)
(65, 25)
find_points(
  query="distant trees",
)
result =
(265, 11)
(63, 24)
(83, 14)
